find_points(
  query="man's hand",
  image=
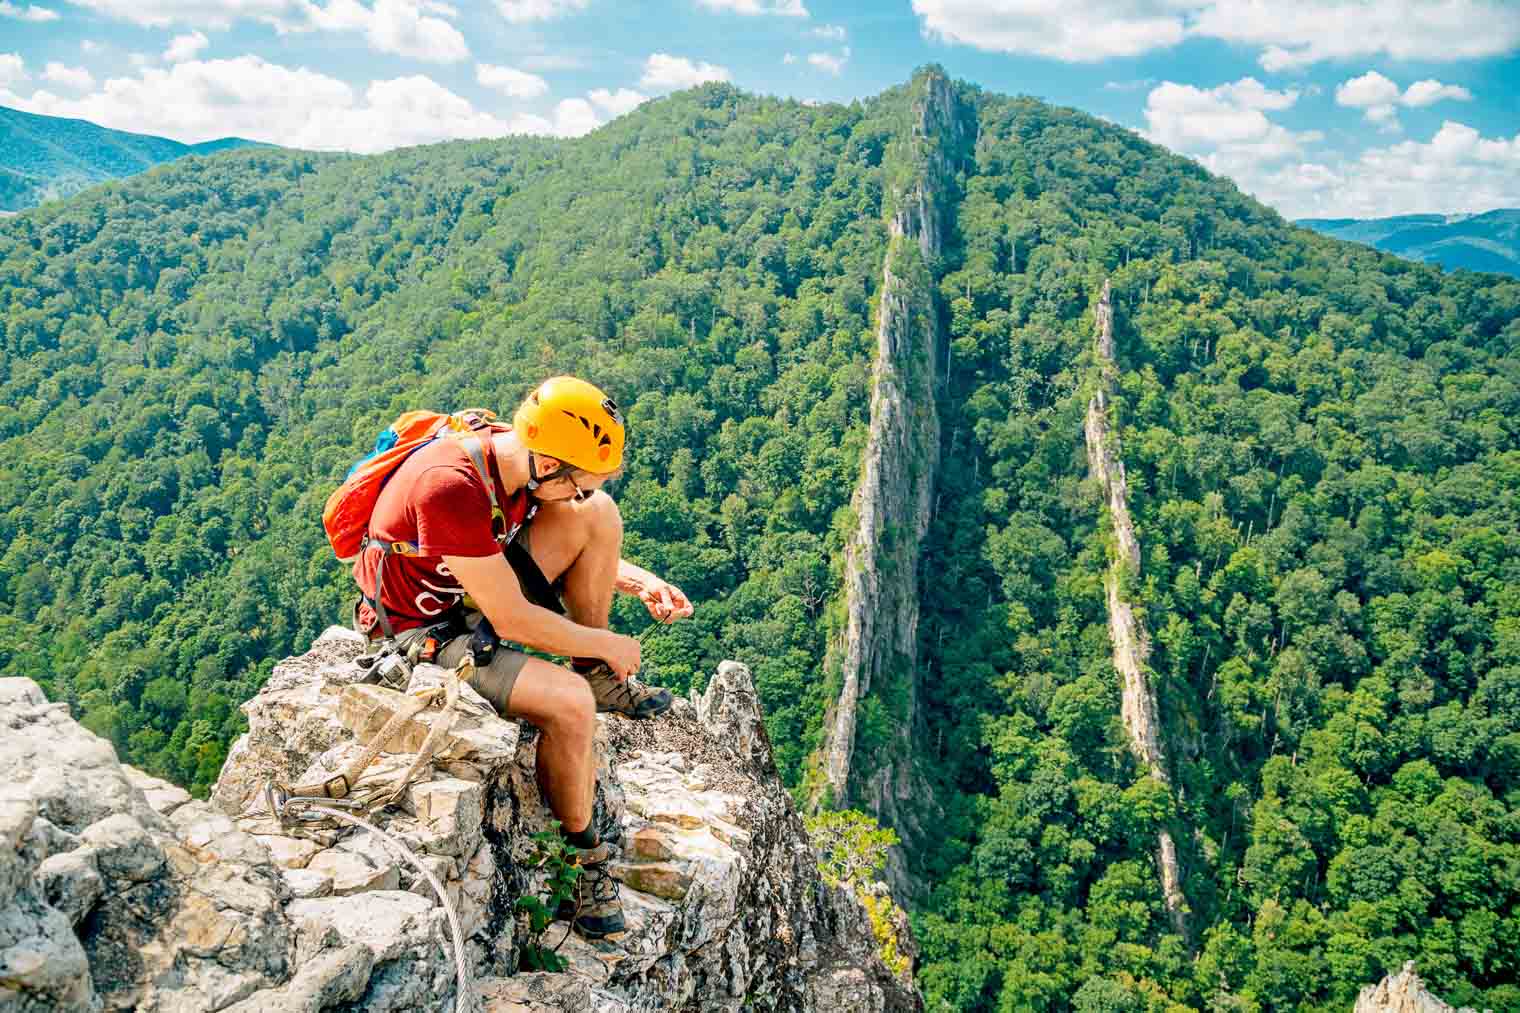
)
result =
(622, 654)
(664, 600)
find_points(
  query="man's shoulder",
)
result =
(440, 468)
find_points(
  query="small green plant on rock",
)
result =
(852, 851)
(852, 848)
(556, 857)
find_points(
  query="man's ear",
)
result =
(548, 466)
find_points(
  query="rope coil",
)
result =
(338, 800)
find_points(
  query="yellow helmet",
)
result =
(573, 421)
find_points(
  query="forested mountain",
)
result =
(47, 157)
(1486, 242)
(1319, 439)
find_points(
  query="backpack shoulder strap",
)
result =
(475, 447)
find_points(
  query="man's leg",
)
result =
(579, 545)
(560, 704)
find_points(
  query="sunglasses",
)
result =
(569, 476)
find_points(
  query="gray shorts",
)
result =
(494, 681)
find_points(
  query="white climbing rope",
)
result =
(465, 1000)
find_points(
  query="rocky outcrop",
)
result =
(119, 892)
(1130, 644)
(1402, 993)
(894, 500)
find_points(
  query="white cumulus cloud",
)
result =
(1226, 128)
(184, 47)
(616, 103)
(1296, 33)
(90, 46)
(414, 28)
(12, 69)
(1372, 93)
(1371, 89)
(519, 11)
(1379, 98)
(198, 13)
(834, 33)
(753, 8)
(1231, 115)
(404, 27)
(1286, 33)
(572, 117)
(31, 12)
(510, 81)
(575, 116)
(1457, 170)
(830, 63)
(70, 77)
(1081, 31)
(663, 72)
(250, 97)
(1431, 91)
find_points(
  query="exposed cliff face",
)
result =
(1130, 643)
(118, 892)
(1402, 993)
(894, 500)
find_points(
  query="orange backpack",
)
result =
(347, 513)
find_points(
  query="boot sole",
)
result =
(585, 932)
(588, 934)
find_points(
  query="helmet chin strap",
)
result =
(535, 479)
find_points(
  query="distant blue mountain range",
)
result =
(47, 157)
(1485, 242)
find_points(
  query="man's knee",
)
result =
(579, 703)
(553, 697)
(603, 516)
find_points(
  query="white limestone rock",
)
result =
(184, 905)
(1402, 993)
(166, 927)
(162, 796)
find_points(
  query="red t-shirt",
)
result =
(437, 501)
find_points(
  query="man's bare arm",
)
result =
(665, 601)
(494, 586)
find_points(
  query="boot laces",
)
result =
(595, 886)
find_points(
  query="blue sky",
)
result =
(1340, 107)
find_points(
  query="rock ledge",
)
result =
(120, 892)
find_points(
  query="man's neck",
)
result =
(511, 461)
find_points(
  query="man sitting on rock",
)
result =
(551, 589)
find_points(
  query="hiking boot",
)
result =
(595, 911)
(628, 697)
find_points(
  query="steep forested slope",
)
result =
(1320, 443)
(1322, 457)
(194, 357)
(48, 157)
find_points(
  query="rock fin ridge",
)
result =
(894, 500)
(1131, 643)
